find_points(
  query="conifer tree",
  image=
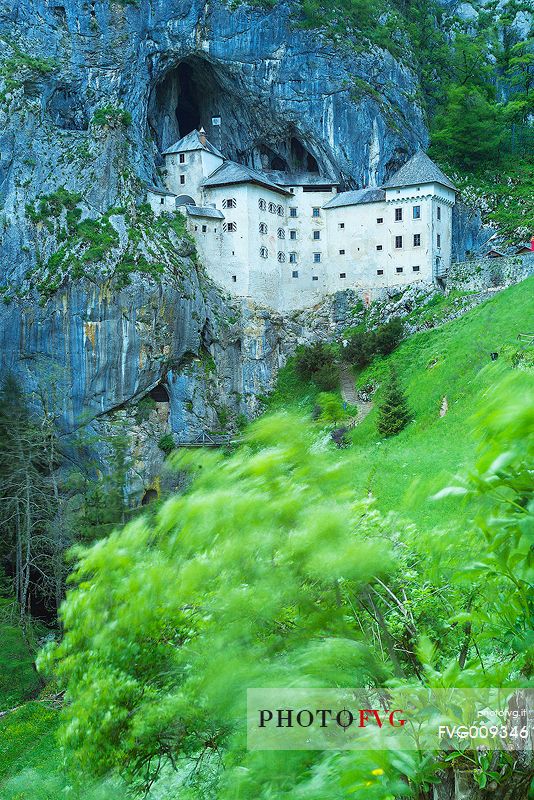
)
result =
(394, 413)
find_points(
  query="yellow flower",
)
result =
(377, 772)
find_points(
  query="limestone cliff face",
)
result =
(90, 92)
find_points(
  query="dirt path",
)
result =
(348, 393)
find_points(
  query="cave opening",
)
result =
(159, 393)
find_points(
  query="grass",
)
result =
(27, 740)
(451, 361)
(18, 679)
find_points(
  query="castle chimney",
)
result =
(202, 136)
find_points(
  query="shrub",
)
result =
(311, 359)
(331, 407)
(166, 443)
(111, 117)
(394, 413)
(360, 349)
(327, 377)
(388, 336)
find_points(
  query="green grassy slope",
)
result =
(451, 361)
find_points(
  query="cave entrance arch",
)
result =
(159, 393)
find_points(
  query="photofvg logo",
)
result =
(380, 719)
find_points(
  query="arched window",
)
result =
(281, 258)
(280, 211)
(262, 205)
(263, 227)
(281, 233)
(272, 208)
(264, 253)
(229, 202)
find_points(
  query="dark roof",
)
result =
(299, 178)
(231, 173)
(157, 190)
(204, 211)
(192, 142)
(419, 169)
(356, 197)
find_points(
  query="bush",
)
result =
(327, 377)
(166, 443)
(388, 336)
(331, 407)
(360, 349)
(111, 117)
(394, 413)
(310, 360)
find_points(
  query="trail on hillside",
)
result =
(349, 395)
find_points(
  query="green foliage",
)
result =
(331, 406)
(363, 346)
(18, 679)
(144, 407)
(166, 443)
(326, 378)
(111, 116)
(14, 70)
(394, 413)
(310, 359)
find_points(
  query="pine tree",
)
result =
(394, 413)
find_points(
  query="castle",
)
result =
(286, 240)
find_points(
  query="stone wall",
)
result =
(484, 273)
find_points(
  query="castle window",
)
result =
(204, 228)
(315, 277)
(417, 240)
(182, 158)
(400, 269)
(398, 215)
(316, 235)
(292, 212)
(342, 274)
(379, 247)
(292, 258)
(380, 220)
(293, 234)
(272, 208)
(438, 240)
(281, 233)
(341, 252)
(416, 212)
(196, 227)
(234, 278)
(398, 242)
(182, 179)
(264, 253)
(316, 258)
(295, 274)
(316, 212)
(380, 272)
(229, 227)
(229, 202)
(281, 257)
(341, 225)
(438, 211)
(162, 200)
(280, 211)
(415, 269)
(262, 205)
(263, 227)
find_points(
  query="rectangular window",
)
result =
(398, 242)
(316, 235)
(234, 278)
(380, 272)
(182, 158)
(415, 269)
(417, 212)
(380, 220)
(295, 273)
(341, 226)
(341, 252)
(316, 258)
(162, 200)
(230, 202)
(315, 277)
(204, 228)
(400, 269)
(292, 212)
(292, 234)
(316, 212)
(342, 274)
(438, 240)
(398, 214)
(438, 210)
(292, 258)
(379, 247)
(417, 240)
(182, 179)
